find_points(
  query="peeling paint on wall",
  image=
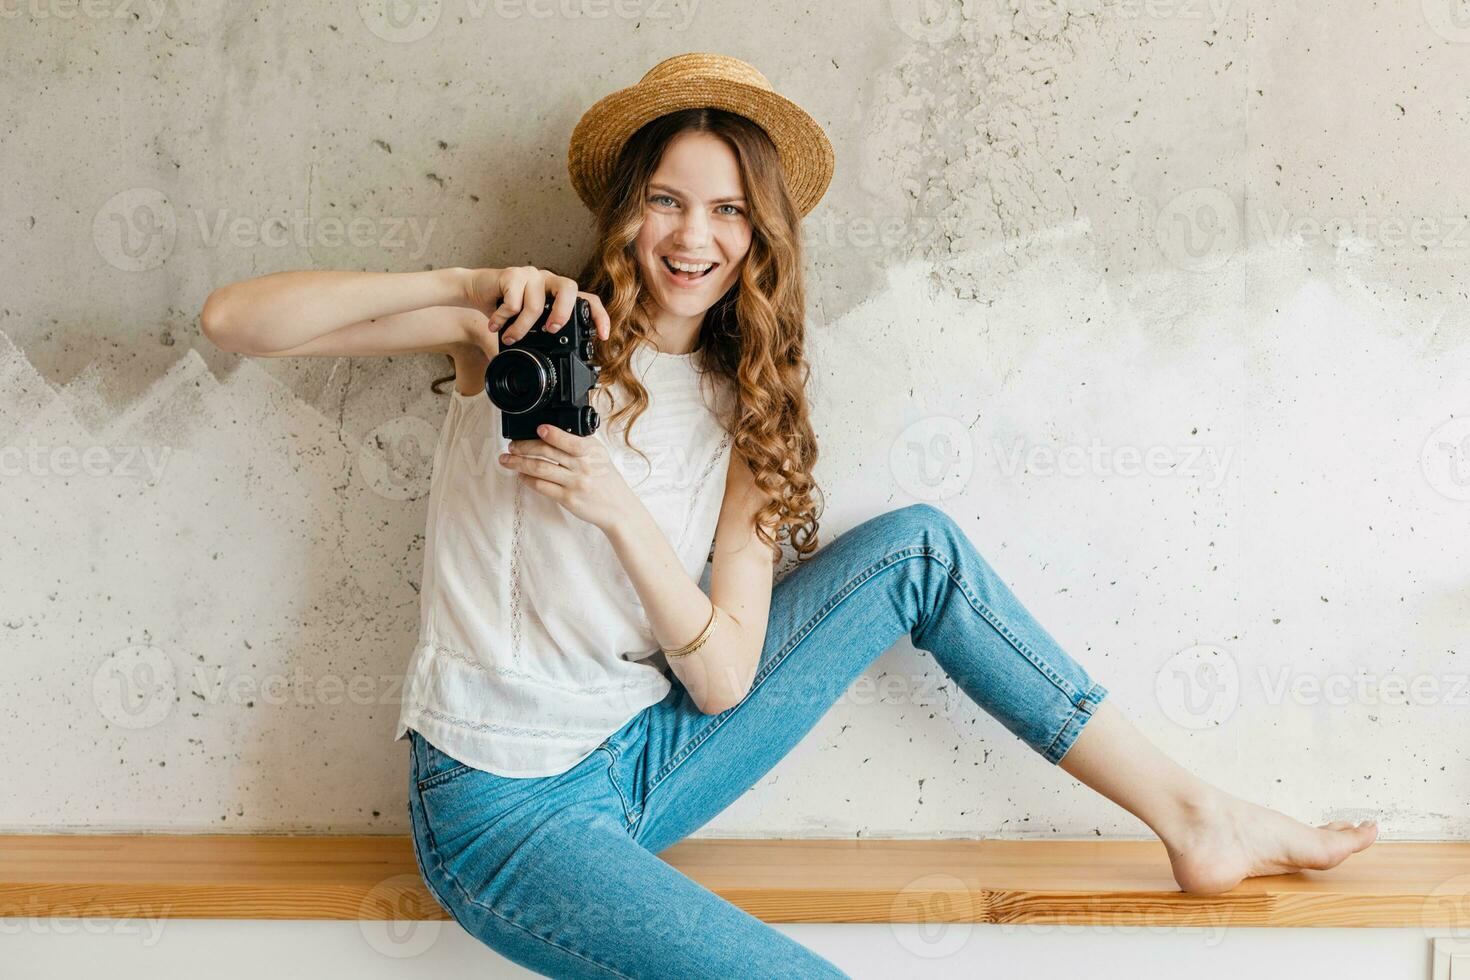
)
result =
(209, 593)
(264, 545)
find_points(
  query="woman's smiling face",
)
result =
(695, 215)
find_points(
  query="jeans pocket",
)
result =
(438, 767)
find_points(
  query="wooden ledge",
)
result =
(1417, 885)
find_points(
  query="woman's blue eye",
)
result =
(661, 198)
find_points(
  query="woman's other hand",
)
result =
(517, 296)
(575, 471)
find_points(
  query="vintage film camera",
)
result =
(545, 377)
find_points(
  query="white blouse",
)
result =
(533, 644)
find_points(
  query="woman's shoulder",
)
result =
(470, 363)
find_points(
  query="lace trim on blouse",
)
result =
(709, 468)
(562, 734)
(464, 658)
(625, 583)
(515, 576)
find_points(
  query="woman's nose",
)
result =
(693, 232)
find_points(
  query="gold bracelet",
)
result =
(698, 641)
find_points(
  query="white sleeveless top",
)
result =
(533, 644)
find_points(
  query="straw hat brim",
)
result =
(806, 153)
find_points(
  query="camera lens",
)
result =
(519, 380)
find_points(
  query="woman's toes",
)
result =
(1366, 833)
(1343, 838)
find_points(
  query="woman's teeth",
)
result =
(686, 270)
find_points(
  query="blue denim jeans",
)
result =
(561, 873)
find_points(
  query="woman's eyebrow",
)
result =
(678, 193)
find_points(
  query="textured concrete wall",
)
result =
(1163, 300)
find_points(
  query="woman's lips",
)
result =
(679, 280)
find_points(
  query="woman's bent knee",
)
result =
(920, 523)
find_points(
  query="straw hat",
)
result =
(693, 80)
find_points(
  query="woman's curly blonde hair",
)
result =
(753, 337)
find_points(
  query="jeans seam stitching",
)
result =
(1019, 645)
(628, 818)
(418, 858)
(1083, 703)
(433, 851)
(532, 933)
(424, 872)
(835, 600)
(433, 845)
(842, 594)
(431, 781)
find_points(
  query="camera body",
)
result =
(545, 377)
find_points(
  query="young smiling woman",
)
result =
(577, 702)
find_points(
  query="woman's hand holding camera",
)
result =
(517, 296)
(580, 475)
(575, 471)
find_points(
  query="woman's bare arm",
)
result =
(718, 675)
(345, 314)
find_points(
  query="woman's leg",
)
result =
(1213, 839)
(910, 571)
(542, 871)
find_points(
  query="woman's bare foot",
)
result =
(1214, 840)
(1225, 840)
